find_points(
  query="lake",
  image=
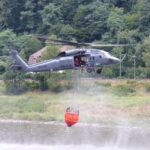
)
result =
(28, 135)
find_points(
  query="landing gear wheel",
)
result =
(98, 71)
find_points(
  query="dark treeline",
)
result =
(107, 21)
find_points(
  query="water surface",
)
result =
(24, 135)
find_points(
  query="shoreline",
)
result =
(60, 123)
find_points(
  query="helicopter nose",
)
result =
(114, 60)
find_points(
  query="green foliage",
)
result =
(10, 14)
(90, 20)
(59, 82)
(129, 36)
(71, 7)
(42, 78)
(7, 40)
(32, 85)
(30, 16)
(55, 81)
(146, 51)
(132, 20)
(14, 82)
(50, 52)
(147, 87)
(55, 86)
(144, 25)
(67, 32)
(142, 72)
(124, 90)
(51, 18)
(29, 45)
(131, 82)
(105, 84)
(110, 72)
(116, 20)
(2, 67)
(51, 15)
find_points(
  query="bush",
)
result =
(55, 85)
(108, 72)
(29, 75)
(57, 88)
(147, 87)
(42, 78)
(68, 85)
(32, 85)
(2, 67)
(59, 82)
(124, 90)
(106, 84)
(14, 82)
(132, 82)
(54, 81)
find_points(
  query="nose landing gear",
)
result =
(98, 71)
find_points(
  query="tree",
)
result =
(10, 12)
(2, 67)
(129, 36)
(50, 52)
(28, 45)
(132, 37)
(132, 20)
(116, 20)
(115, 24)
(144, 21)
(8, 40)
(51, 16)
(127, 5)
(90, 21)
(68, 10)
(66, 32)
(31, 15)
(146, 51)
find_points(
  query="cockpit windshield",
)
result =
(107, 54)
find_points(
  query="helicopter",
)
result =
(79, 58)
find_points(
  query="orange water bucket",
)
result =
(71, 116)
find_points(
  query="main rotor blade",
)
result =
(65, 42)
(59, 43)
(56, 41)
(107, 45)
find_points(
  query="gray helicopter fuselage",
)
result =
(72, 59)
(53, 65)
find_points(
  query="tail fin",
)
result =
(19, 62)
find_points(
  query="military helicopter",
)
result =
(79, 58)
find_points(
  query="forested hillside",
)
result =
(107, 21)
